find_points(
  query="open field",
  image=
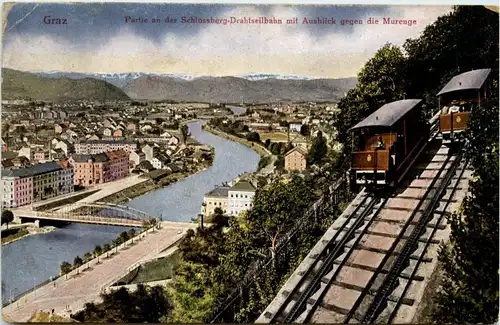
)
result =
(274, 136)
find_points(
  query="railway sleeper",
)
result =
(423, 239)
(334, 308)
(373, 269)
(385, 251)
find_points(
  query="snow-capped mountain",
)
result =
(260, 76)
(121, 79)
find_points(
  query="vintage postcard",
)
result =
(241, 163)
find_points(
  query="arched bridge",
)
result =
(95, 213)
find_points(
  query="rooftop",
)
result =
(117, 154)
(109, 142)
(218, 192)
(470, 80)
(31, 170)
(298, 149)
(81, 158)
(243, 186)
(388, 114)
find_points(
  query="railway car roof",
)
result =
(466, 81)
(388, 114)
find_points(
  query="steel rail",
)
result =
(282, 243)
(390, 280)
(348, 255)
(390, 251)
(312, 287)
(427, 243)
(291, 316)
(333, 240)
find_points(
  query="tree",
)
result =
(131, 233)
(380, 81)
(106, 247)
(284, 123)
(274, 209)
(145, 305)
(305, 130)
(192, 298)
(465, 39)
(318, 149)
(253, 136)
(124, 236)
(87, 257)
(7, 217)
(469, 292)
(263, 162)
(185, 132)
(65, 268)
(280, 163)
(77, 262)
(97, 251)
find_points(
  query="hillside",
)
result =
(25, 85)
(235, 89)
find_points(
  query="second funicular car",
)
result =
(458, 98)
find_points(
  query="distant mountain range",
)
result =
(121, 79)
(24, 85)
(236, 90)
(255, 88)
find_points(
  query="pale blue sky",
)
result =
(97, 39)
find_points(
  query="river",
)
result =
(34, 259)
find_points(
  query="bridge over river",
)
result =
(93, 213)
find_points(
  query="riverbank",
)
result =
(24, 232)
(262, 151)
(149, 185)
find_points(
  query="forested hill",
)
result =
(25, 85)
(464, 40)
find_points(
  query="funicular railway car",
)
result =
(389, 141)
(458, 98)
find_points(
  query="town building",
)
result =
(149, 151)
(240, 197)
(118, 133)
(93, 147)
(60, 128)
(25, 185)
(41, 155)
(136, 157)
(216, 198)
(295, 126)
(295, 159)
(100, 168)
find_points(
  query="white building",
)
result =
(240, 197)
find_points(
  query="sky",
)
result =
(96, 38)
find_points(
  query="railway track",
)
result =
(373, 257)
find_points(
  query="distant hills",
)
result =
(235, 89)
(255, 88)
(25, 85)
